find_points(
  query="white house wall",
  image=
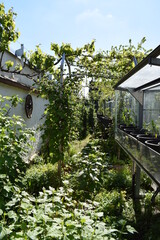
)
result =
(37, 118)
(23, 89)
(38, 104)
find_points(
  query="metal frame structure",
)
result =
(144, 75)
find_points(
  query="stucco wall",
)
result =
(38, 102)
(37, 118)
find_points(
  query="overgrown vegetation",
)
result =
(91, 197)
(15, 140)
(94, 203)
(39, 176)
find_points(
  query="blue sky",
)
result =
(110, 22)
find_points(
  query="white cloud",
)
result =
(93, 15)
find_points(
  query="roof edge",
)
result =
(139, 66)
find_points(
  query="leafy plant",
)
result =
(53, 215)
(14, 140)
(119, 179)
(39, 176)
(88, 170)
(127, 117)
(7, 28)
(111, 203)
(9, 64)
(153, 129)
(6, 190)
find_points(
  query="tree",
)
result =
(106, 68)
(64, 95)
(8, 33)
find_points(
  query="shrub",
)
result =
(39, 176)
(111, 203)
(54, 215)
(120, 179)
(6, 190)
(146, 182)
(15, 140)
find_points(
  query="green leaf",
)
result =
(130, 229)
(12, 214)
(7, 188)
(55, 232)
(99, 214)
(5, 232)
(1, 212)
(33, 234)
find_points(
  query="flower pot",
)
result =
(122, 126)
(136, 132)
(154, 144)
(145, 137)
(129, 129)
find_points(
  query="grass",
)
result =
(76, 147)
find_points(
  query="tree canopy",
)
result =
(8, 33)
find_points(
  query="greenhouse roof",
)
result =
(144, 75)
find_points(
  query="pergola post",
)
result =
(136, 175)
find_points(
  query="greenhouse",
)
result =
(137, 127)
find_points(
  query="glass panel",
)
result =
(146, 157)
(127, 109)
(151, 113)
(145, 75)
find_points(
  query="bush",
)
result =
(146, 182)
(111, 203)
(55, 215)
(39, 176)
(6, 190)
(118, 179)
(15, 140)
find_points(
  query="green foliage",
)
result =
(18, 67)
(62, 113)
(40, 60)
(63, 116)
(39, 176)
(53, 215)
(120, 179)
(119, 61)
(15, 140)
(87, 118)
(9, 64)
(88, 168)
(91, 118)
(83, 123)
(6, 190)
(153, 230)
(152, 128)
(111, 203)
(127, 117)
(59, 214)
(75, 148)
(146, 182)
(60, 120)
(7, 28)
(108, 144)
